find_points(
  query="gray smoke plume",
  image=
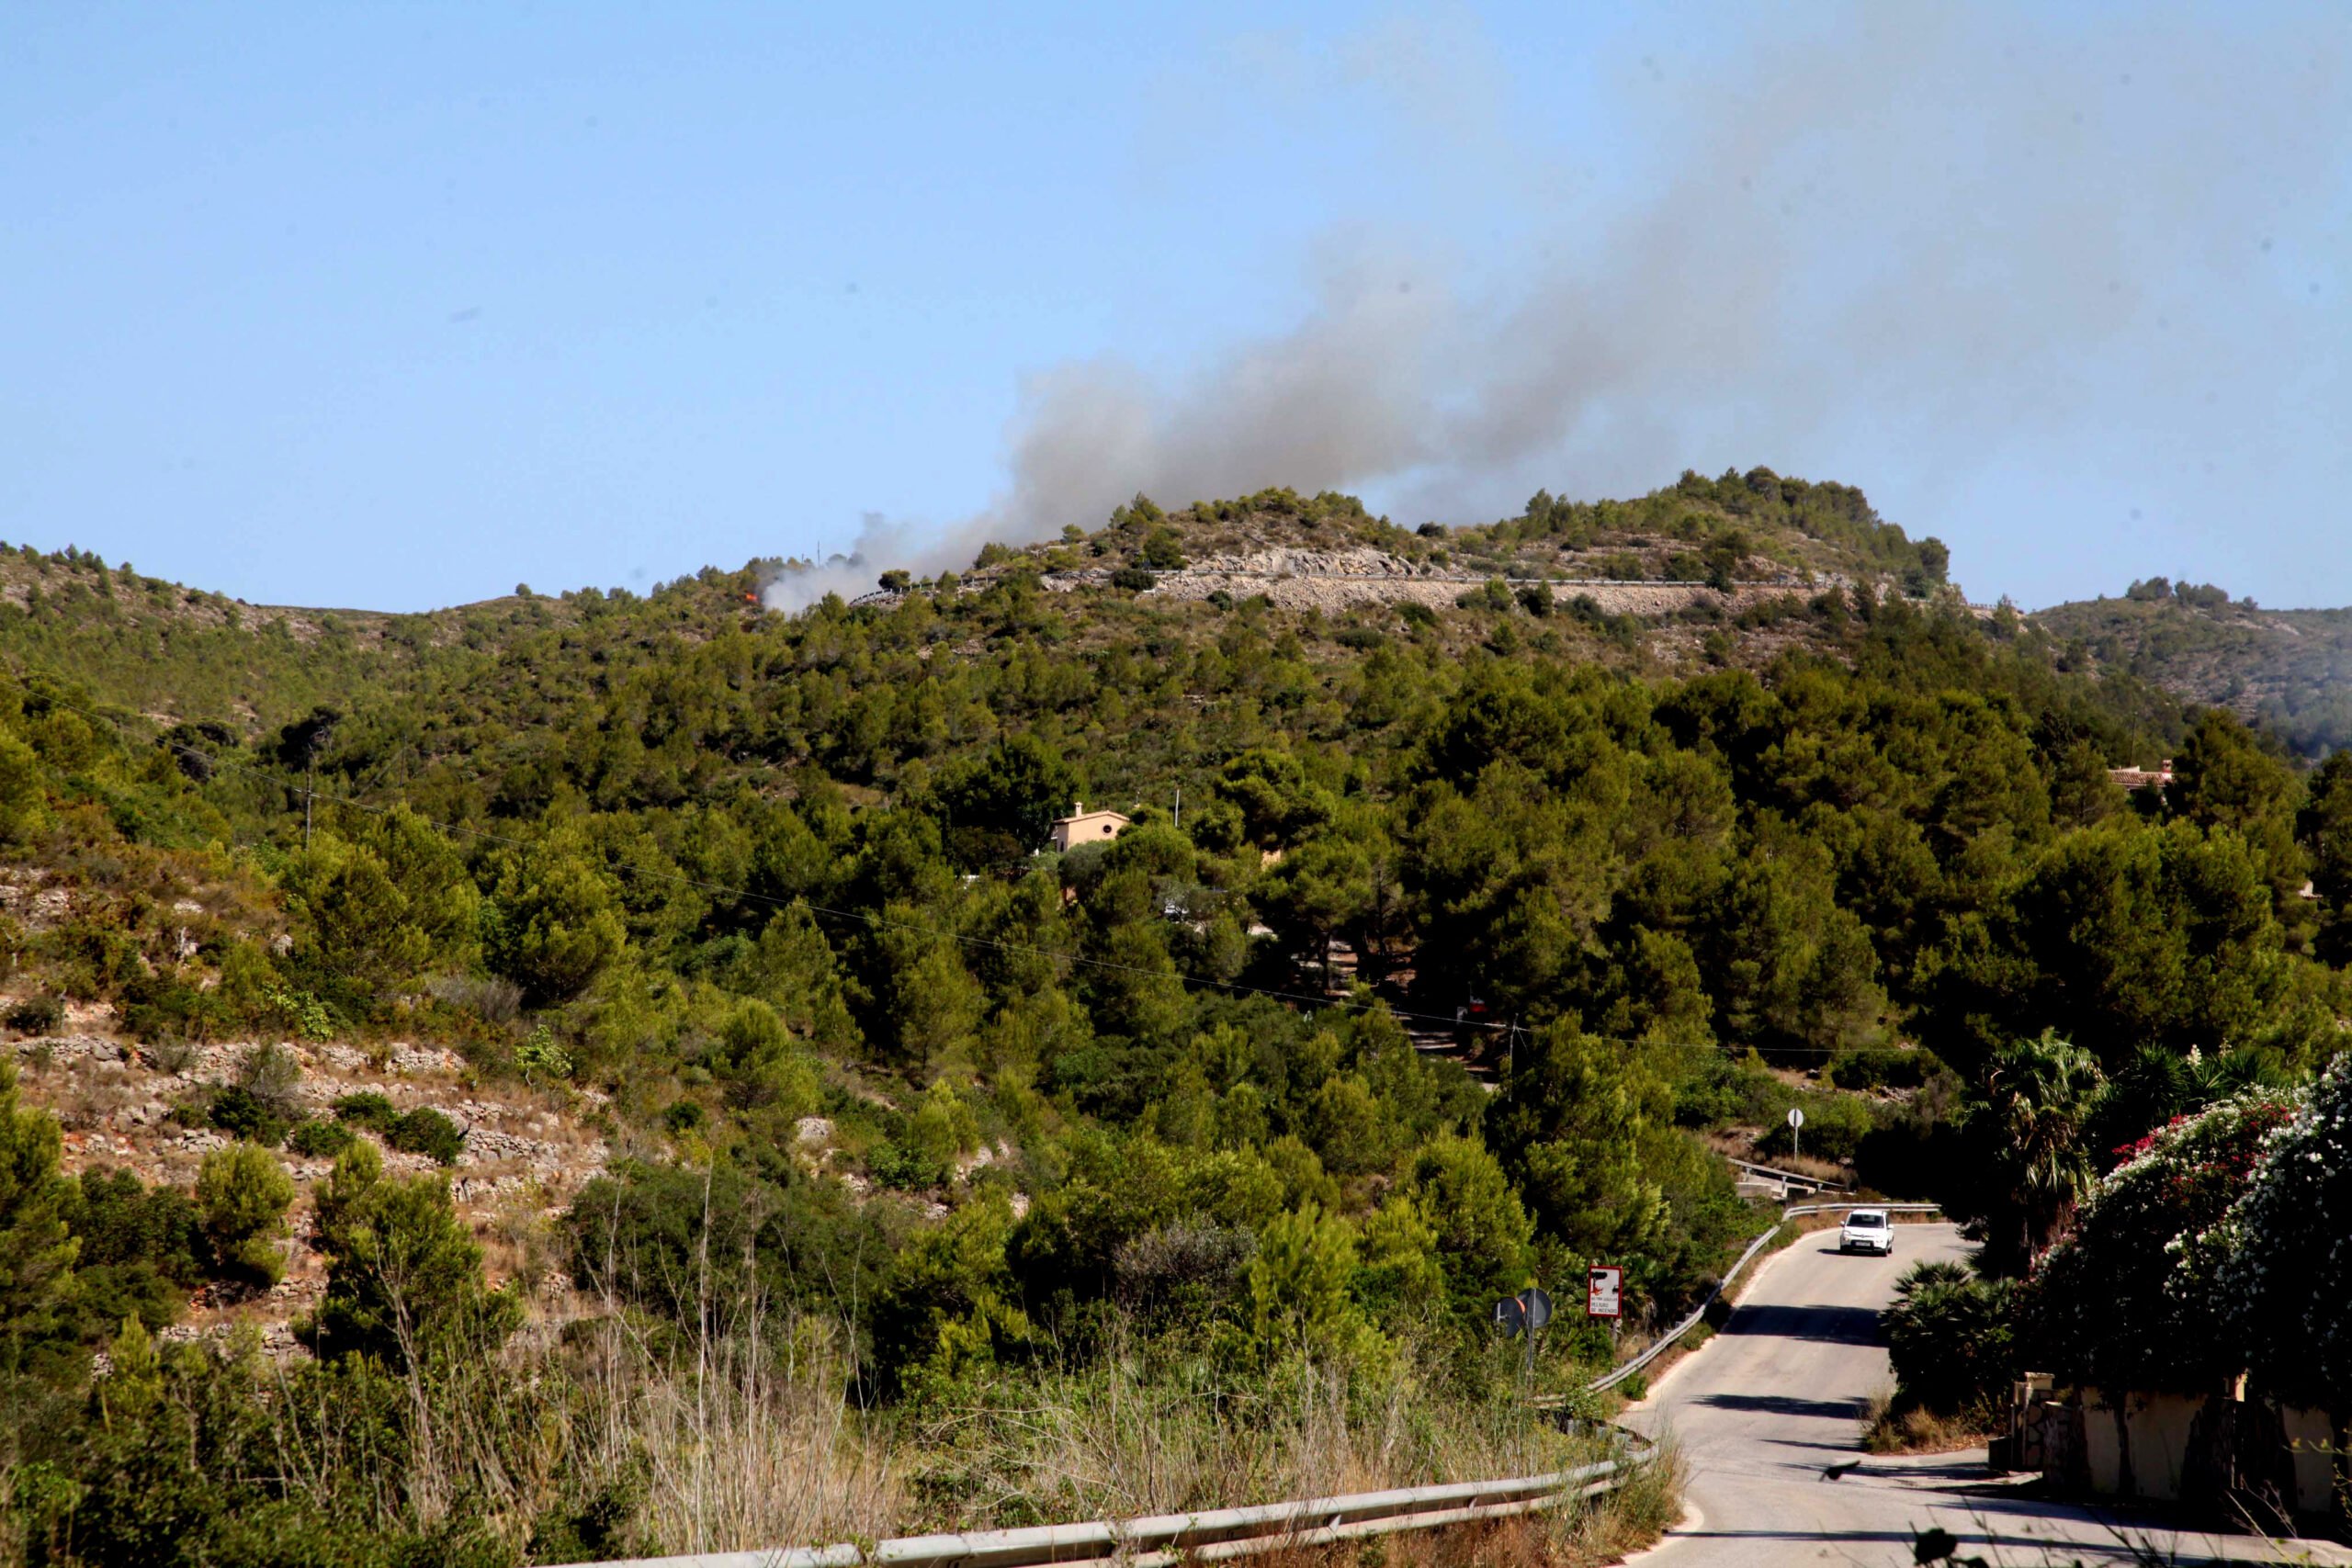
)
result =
(1936, 233)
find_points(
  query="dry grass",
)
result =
(1888, 1428)
(1601, 1530)
(1625, 1520)
(1124, 1438)
(84, 1091)
(745, 1440)
(732, 1440)
(736, 1442)
(1738, 1141)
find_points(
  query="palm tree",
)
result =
(2039, 1094)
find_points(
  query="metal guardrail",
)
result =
(1619, 1374)
(1162, 1540)
(1785, 1178)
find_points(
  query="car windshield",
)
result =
(1866, 1221)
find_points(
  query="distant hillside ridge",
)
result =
(1733, 573)
(1752, 527)
(2290, 670)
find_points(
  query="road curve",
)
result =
(1763, 1412)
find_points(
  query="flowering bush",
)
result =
(2283, 1256)
(2129, 1300)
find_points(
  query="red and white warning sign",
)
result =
(1604, 1290)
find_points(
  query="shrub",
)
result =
(659, 1236)
(1915, 1149)
(269, 1074)
(1398, 1278)
(1950, 1334)
(904, 1169)
(554, 920)
(36, 1015)
(171, 1056)
(368, 1109)
(140, 1248)
(1351, 1130)
(2121, 1303)
(1494, 594)
(1183, 1272)
(1719, 1089)
(320, 1139)
(240, 1113)
(1881, 1067)
(1135, 579)
(943, 1126)
(2283, 1264)
(22, 798)
(492, 1000)
(948, 1310)
(161, 1007)
(426, 1130)
(1298, 1287)
(304, 1013)
(541, 1058)
(404, 1276)
(1834, 1128)
(1163, 549)
(243, 1194)
(1483, 1234)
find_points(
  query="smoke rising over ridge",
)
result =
(1934, 239)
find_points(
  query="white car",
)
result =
(1866, 1230)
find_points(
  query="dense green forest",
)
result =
(704, 871)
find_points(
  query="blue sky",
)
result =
(398, 306)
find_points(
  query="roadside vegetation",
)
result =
(957, 1183)
(2192, 1259)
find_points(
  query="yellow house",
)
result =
(1084, 827)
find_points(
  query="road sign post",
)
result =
(1526, 1312)
(1796, 1119)
(1604, 1297)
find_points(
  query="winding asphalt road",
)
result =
(1765, 1410)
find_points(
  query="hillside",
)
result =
(529, 1026)
(2288, 669)
(1704, 574)
(1749, 531)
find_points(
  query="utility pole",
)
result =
(1180, 808)
(313, 732)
